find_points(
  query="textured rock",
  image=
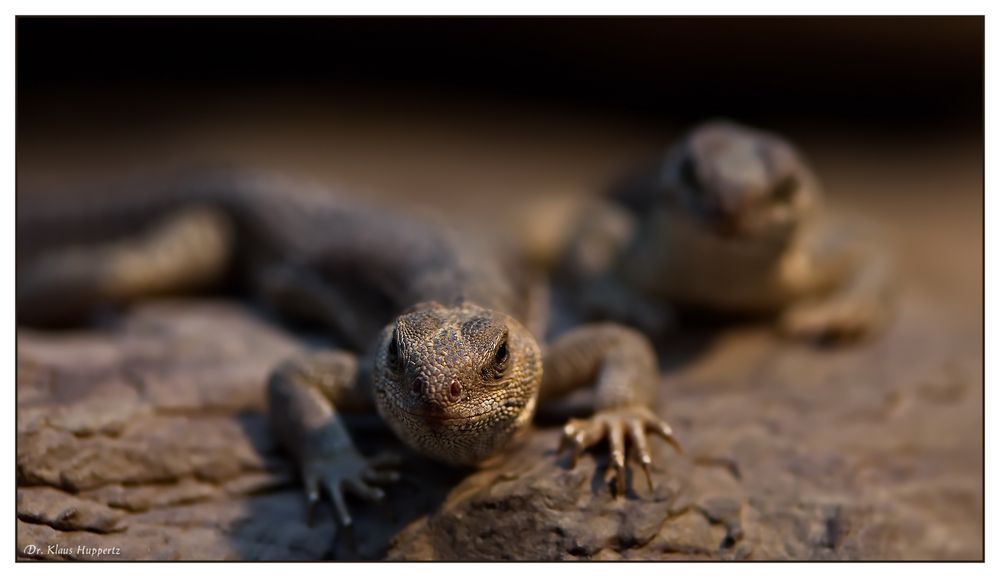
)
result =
(151, 438)
(869, 452)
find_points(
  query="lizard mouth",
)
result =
(442, 418)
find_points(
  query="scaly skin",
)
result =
(730, 220)
(439, 324)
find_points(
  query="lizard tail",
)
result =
(56, 219)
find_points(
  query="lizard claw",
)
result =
(617, 425)
(347, 471)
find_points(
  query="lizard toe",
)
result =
(624, 427)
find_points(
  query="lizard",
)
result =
(443, 338)
(730, 220)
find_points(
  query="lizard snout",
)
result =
(726, 219)
(437, 394)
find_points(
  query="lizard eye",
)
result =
(500, 358)
(785, 190)
(392, 352)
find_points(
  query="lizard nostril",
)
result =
(417, 385)
(455, 391)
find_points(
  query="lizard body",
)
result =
(444, 337)
(730, 220)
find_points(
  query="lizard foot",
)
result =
(836, 320)
(615, 424)
(347, 471)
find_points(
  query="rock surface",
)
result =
(150, 440)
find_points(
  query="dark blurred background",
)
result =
(895, 71)
(519, 116)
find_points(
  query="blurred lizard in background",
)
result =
(444, 333)
(729, 221)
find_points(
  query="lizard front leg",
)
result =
(603, 235)
(621, 363)
(305, 395)
(608, 298)
(860, 300)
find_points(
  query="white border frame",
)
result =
(508, 7)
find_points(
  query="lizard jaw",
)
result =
(460, 440)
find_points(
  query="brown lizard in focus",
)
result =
(730, 220)
(445, 336)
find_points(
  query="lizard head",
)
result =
(740, 182)
(457, 382)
